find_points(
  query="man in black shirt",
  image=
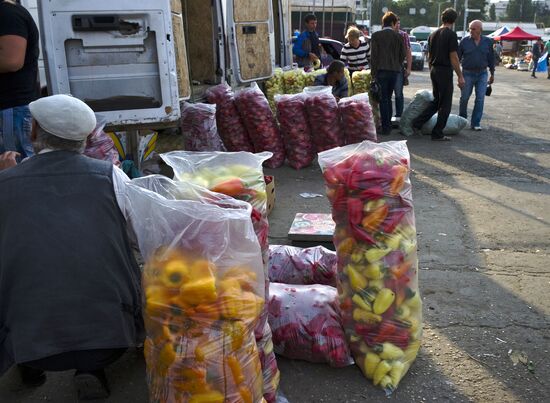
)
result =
(18, 77)
(443, 59)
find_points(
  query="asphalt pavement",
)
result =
(482, 206)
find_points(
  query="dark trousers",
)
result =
(442, 85)
(535, 65)
(85, 360)
(387, 80)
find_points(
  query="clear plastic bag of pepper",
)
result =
(306, 324)
(260, 124)
(324, 118)
(293, 265)
(229, 123)
(292, 117)
(239, 175)
(198, 126)
(357, 119)
(203, 295)
(369, 189)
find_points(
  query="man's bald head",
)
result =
(476, 28)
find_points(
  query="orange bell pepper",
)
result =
(246, 394)
(199, 291)
(373, 220)
(345, 246)
(236, 369)
(230, 187)
(398, 172)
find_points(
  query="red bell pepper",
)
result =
(361, 235)
(355, 210)
(392, 220)
(384, 331)
(372, 193)
(401, 338)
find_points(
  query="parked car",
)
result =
(332, 50)
(417, 56)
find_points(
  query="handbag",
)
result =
(374, 90)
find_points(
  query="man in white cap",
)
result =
(70, 294)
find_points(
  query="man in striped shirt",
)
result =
(356, 53)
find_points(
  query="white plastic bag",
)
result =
(203, 288)
(419, 103)
(454, 125)
(324, 118)
(357, 118)
(198, 126)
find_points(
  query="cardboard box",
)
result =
(270, 190)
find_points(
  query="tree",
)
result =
(492, 12)
(520, 10)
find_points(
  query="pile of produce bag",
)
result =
(203, 288)
(454, 125)
(293, 265)
(229, 124)
(357, 119)
(310, 76)
(239, 175)
(100, 145)
(293, 120)
(324, 118)
(198, 126)
(274, 86)
(419, 103)
(293, 79)
(260, 124)
(375, 237)
(306, 324)
(361, 81)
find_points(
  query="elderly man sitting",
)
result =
(70, 295)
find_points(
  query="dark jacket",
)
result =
(68, 279)
(339, 90)
(387, 51)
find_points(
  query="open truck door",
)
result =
(251, 37)
(117, 56)
(283, 34)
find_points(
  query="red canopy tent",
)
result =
(516, 34)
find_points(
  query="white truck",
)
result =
(135, 60)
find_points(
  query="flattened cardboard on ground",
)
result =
(312, 227)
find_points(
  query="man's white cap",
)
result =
(64, 116)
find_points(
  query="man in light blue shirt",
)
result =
(475, 53)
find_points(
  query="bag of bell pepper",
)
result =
(357, 119)
(260, 124)
(228, 121)
(293, 79)
(100, 145)
(306, 324)
(419, 103)
(369, 189)
(203, 294)
(292, 116)
(274, 86)
(293, 265)
(239, 175)
(198, 126)
(324, 118)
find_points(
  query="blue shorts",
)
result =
(15, 131)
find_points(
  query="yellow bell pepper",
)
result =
(383, 301)
(396, 373)
(371, 362)
(373, 271)
(381, 370)
(236, 369)
(411, 351)
(375, 254)
(356, 279)
(166, 358)
(360, 315)
(389, 351)
(246, 394)
(208, 397)
(414, 303)
(202, 268)
(345, 246)
(174, 273)
(361, 303)
(199, 291)
(394, 241)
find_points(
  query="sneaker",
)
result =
(477, 128)
(91, 385)
(31, 377)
